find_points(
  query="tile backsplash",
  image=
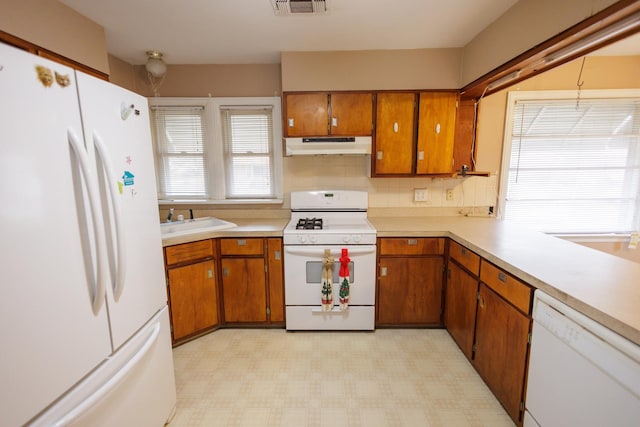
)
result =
(471, 195)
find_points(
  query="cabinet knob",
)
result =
(379, 155)
(225, 272)
(277, 255)
(210, 273)
(502, 277)
(334, 121)
(438, 129)
(291, 122)
(395, 127)
(412, 242)
(241, 242)
(383, 271)
(420, 155)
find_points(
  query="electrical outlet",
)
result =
(449, 194)
(420, 195)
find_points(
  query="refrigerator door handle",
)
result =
(96, 217)
(113, 382)
(105, 159)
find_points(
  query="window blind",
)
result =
(575, 166)
(181, 152)
(247, 134)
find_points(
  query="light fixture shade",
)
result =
(155, 65)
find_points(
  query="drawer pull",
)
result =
(241, 242)
(412, 242)
(277, 255)
(210, 273)
(463, 251)
(502, 277)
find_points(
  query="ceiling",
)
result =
(247, 31)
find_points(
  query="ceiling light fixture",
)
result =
(156, 70)
(629, 23)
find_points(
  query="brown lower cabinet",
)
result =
(501, 349)
(192, 288)
(460, 307)
(410, 282)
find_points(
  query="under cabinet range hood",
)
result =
(327, 145)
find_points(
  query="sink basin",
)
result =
(198, 225)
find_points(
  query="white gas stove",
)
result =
(329, 224)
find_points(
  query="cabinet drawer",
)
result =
(189, 251)
(241, 247)
(464, 257)
(511, 289)
(412, 246)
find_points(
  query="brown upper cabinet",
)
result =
(415, 133)
(320, 114)
(436, 131)
(395, 133)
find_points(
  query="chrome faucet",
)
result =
(170, 215)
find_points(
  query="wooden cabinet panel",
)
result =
(465, 257)
(460, 307)
(395, 132)
(241, 246)
(463, 146)
(189, 251)
(501, 349)
(410, 291)
(193, 298)
(276, 280)
(244, 290)
(513, 290)
(351, 114)
(411, 246)
(436, 131)
(306, 114)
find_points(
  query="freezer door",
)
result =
(117, 129)
(136, 387)
(51, 337)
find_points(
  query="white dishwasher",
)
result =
(580, 373)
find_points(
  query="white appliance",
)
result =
(83, 317)
(333, 220)
(328, 145)
(580, 373)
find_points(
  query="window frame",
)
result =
(512, 97)
(215, 161)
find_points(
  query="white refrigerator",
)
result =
(83, 315)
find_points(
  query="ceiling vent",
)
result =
(299, 7)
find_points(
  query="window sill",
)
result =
(226, 202)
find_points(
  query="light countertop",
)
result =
(604, 287)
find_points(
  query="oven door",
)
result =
(303, 274)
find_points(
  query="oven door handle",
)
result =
(318, 251)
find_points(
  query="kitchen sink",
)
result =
(198, 225)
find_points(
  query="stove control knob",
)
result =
(313, 239)
(302, 239)
(357, 238)
(346, 239)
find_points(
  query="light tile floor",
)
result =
(270, 377)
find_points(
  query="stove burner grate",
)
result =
(309, 224)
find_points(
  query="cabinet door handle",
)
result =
(379, 155)
(241, 242)
(277, 255)
(291, 123)
(420, 155)
(334, 122)
(395, 127)
(463, 251)
(383, 271)
(438, 129)
(502, 277)
(210, 273)
(225, 272)
(412, 242)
